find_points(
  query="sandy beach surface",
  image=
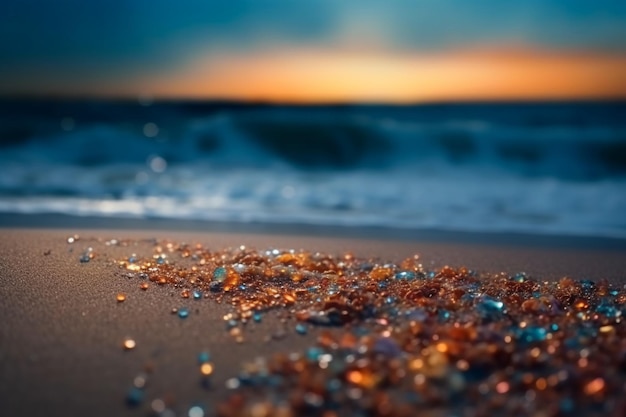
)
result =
(62, 330)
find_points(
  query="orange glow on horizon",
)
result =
(323, 76)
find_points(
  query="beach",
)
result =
(328, 209)
(116, 272)
(63, 328)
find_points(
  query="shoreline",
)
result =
(53, 221)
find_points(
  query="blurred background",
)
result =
(404, 115)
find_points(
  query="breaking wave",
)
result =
(533, 168)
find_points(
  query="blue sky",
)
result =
(66, 39)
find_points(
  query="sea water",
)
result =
(557, 168)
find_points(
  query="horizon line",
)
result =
(148, 100)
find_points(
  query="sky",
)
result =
(315, 50)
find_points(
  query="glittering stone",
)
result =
(216, 286)
(301, 329)
(232, 383)
(140, 381)
(196, 411)
(134, 397)
(204, 357)
(406, 338)
(532, 334)
(405, 275)
(206, 369)
(490, 308)
(129, 344)
(219, 274)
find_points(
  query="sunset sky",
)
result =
(315, 51)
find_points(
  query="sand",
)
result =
(62, 330)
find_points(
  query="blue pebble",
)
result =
(183, 313)
(231, 323)
(313, 354)
(219, 274)
(197, 295)
(405, 275)
(520, 277)
(301, 328)
(257, 316)
(204, 357)
(490, 308)
(587, 285)
(444, 315)
(532, 334)
(160, 260)
(608, 310)
(85, 258)
(134, 397)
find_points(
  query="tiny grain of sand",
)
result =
(63, 328)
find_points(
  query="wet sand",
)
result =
(61, 337)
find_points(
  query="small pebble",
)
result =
(204, 357)
(196, 411)
(129, 344)
(134, 397)
(157, 405)
(140, 381)
(232, 383)
(301, 329)
(206, 369)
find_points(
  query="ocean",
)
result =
(549, 169)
